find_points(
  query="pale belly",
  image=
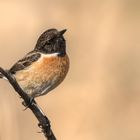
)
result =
(39, 78)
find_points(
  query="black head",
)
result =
(51, 41)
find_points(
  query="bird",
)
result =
(45, 67)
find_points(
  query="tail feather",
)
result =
(1, 76)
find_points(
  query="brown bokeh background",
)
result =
(100, 98)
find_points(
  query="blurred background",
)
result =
(100, 97)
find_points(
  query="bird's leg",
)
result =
(31, 101)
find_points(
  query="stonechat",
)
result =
(44, 68)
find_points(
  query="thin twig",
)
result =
(44, 122)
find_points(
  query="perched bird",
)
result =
(44, 68)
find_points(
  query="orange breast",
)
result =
(47, 69)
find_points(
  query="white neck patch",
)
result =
(48, 56)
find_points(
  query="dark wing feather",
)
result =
(25, 62)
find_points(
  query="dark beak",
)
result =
(62, 32)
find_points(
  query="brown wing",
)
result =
(25, 62)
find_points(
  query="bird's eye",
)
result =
(48, 42)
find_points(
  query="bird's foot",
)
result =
(27, 105)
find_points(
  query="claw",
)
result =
(29, 104)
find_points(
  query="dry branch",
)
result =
(44, 122)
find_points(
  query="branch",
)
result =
(44, 122)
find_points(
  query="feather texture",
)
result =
(25, 62)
